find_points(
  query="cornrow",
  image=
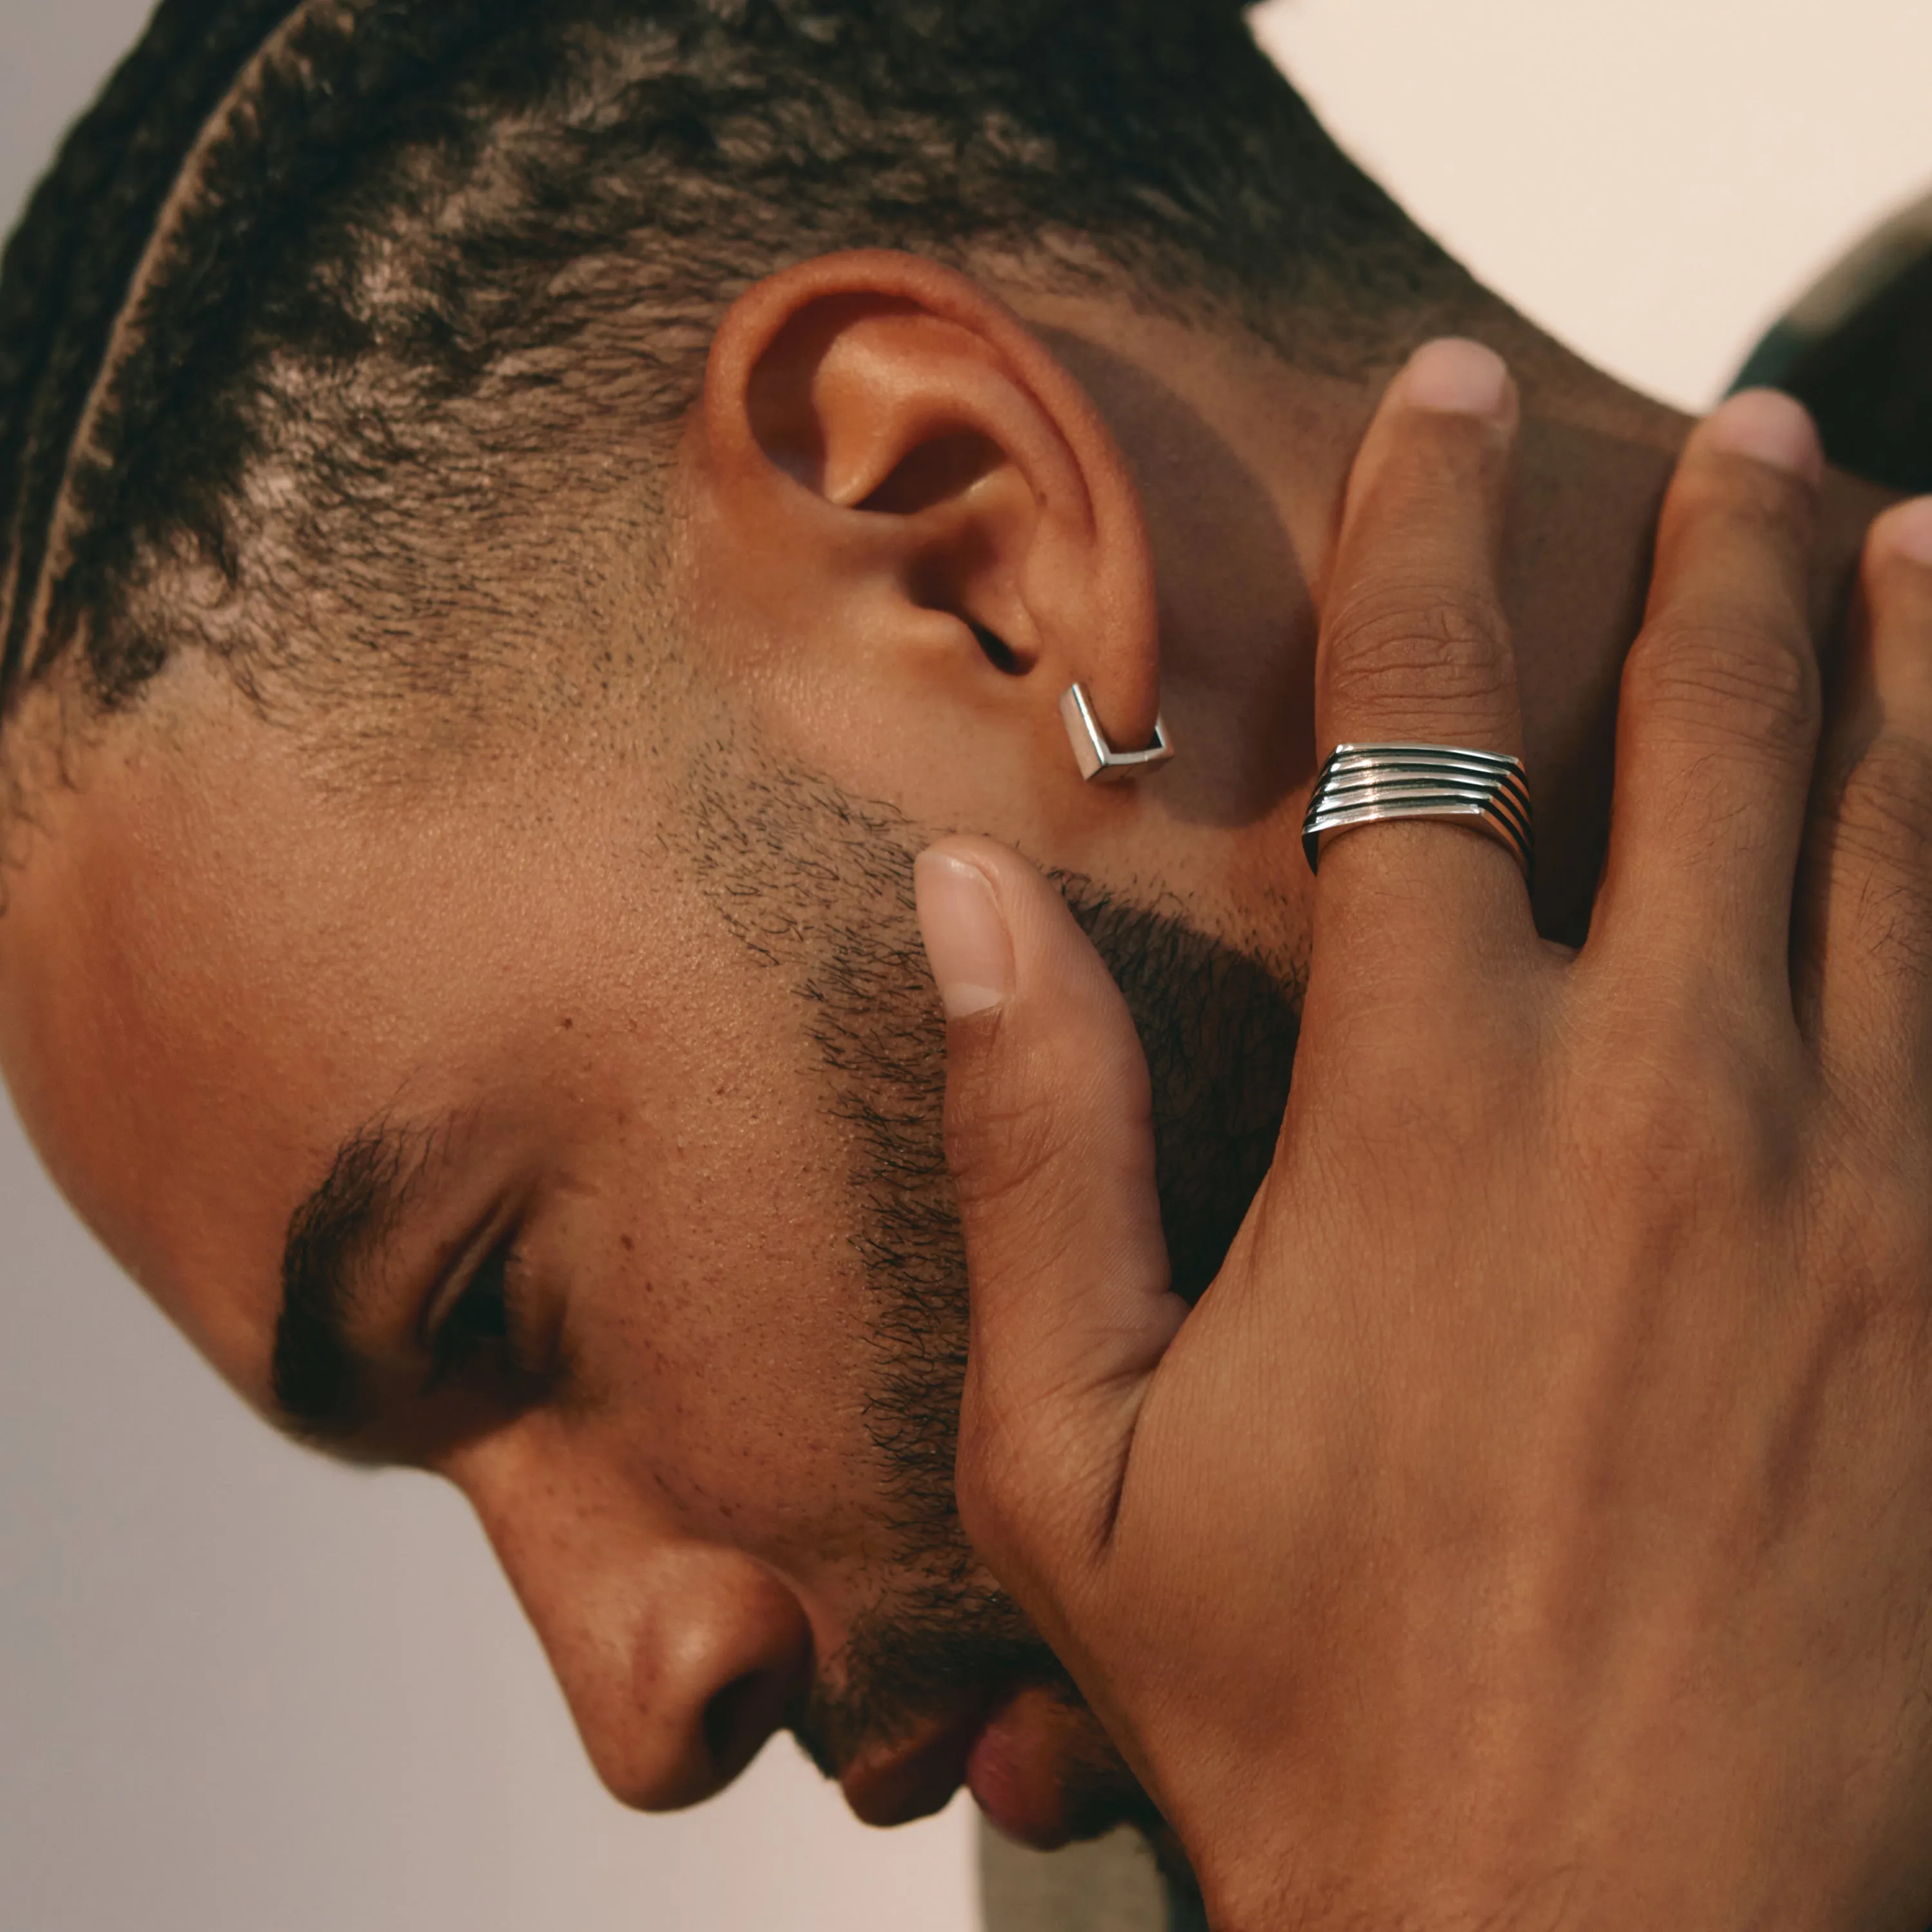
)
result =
(67, 270)
(391, 209)
(310, 119)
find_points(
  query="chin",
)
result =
(1038, 1763)
(1044, 1772)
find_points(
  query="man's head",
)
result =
(518, 522)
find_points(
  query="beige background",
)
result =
(242, 1692)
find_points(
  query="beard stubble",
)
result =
(818, 884)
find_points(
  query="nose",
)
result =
(718, 1652)
(679, 1658)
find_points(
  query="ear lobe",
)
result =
(880, 419)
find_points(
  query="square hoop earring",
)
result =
(1099, 763)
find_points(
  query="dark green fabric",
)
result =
(1864, 368)
(1184, 1910)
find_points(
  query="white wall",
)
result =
(1651, 179)
(240, 1691)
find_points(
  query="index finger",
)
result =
(1415, 650)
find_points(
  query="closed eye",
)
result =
(477, 1320)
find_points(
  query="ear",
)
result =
(905, 476)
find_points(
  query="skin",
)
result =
(1528, 1525)
(516, 965)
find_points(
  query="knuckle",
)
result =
(1000, 1120)
(1423, 1058)
(1406, 649)
(1892, 1240)
(1874, 841)
(1882, 814)
(1869, 1214)
(1708, 675)
(1000, 1147)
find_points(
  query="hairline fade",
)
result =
(426, 245)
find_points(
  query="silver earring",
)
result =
(1099, 763)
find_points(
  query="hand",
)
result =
(1532, 1524)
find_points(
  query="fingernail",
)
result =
(1458, 378)
(1907, 531)
(1768, 427)
(966, 941)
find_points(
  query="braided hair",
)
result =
(302, 283)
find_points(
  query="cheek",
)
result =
(721, 1333)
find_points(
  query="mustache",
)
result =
(903, 1660)
(898, 1671)
(902, 1666)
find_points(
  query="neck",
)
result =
(1242, 458)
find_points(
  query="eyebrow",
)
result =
(320, 1378)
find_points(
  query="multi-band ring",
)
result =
(1366, 784)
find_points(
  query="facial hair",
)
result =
(818, 885)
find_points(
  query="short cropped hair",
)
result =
(307, 284)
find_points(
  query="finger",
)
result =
(1866, 923)
(1049, 1136)
(1718, 716)
(1414, 649)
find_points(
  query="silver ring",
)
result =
(1368, 785)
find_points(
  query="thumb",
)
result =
(1049, 1135)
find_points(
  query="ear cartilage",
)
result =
(1099, 763)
